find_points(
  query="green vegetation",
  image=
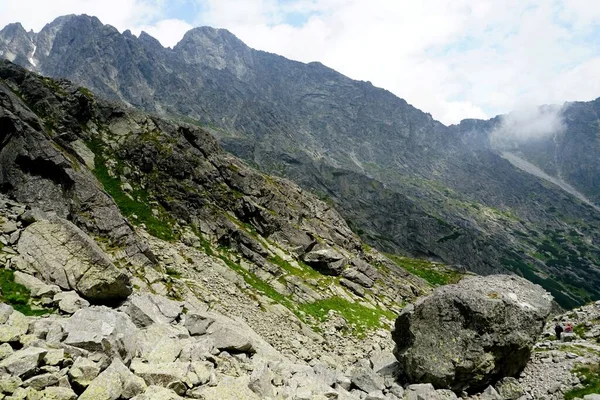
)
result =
(362, 318)
(590, 375)
(16, 295)
(435, 274)
(303, 270)
(134, 206)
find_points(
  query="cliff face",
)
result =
(403, 181)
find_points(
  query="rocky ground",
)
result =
(142, 261)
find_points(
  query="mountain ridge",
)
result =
(453, 200)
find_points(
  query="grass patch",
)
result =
(590, 375)
(360, 317)
(435, 274)
(304, 270)
(136, 207)
(17, 295)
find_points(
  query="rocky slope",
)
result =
(356, 146)
(135, 229)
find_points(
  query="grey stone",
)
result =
(83, 372)
(23, 362)
(147, 309)
(70, 302)
(115, 382)
(261, 381)
(101, 329)
(64, 255)
(197, 324)
(325, 260)
(509, 389)
(464, 335)
(367, 380)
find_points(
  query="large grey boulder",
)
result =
(325, 260)
(101, 329)
(62, 254)
(472, 334)
(147, 309)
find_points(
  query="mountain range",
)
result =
(404, 182)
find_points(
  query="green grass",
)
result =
(138, 206)
(436, 275)
(17, 295)
(304, 271)
(360, 317)
(591, 382)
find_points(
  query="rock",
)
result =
(80, 148)
(54, 357)
(5, 312)
(58, 393)
(591, 397)
(16, 326)
(490, 394)
(70, 302)
(39, 382)
(8, 227)
(353, 287)
(197, 324)
(83, 372)
(5, 351)
(62, 254)
(228, 389)
(101, 329)
(161, 374)
(9, 384)
(159, 393)
(468, 335)
(568, 337)
(261, 382)
(381, 359)
(366, 380)
(147, 309)
(115, 382)
(325, 260)
(160, 343)
(229, 339)
(509, 389)
(24, 362)
(36, 287)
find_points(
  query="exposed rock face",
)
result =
(471, 334)
(63, 255)
(405, 181)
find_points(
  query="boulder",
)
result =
(37, 288)
(466, 336)
(325, 260)
(146, 309)
(197, 324)
(70, 302)
(62, 254)
(24, 362)
(102, 329)
(117, 381)
(509, 389)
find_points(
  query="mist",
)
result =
(533, 123)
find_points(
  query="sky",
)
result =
(455, 59)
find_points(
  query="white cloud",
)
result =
(529, 123)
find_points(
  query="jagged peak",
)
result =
(13, 29)
(212, 34)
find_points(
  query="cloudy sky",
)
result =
(452, 58)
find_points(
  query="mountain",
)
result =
(403, 181)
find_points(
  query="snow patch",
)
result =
(31, 60)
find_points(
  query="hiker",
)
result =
(558, 329)
(569, 328)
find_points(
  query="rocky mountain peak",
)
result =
(216, 48)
